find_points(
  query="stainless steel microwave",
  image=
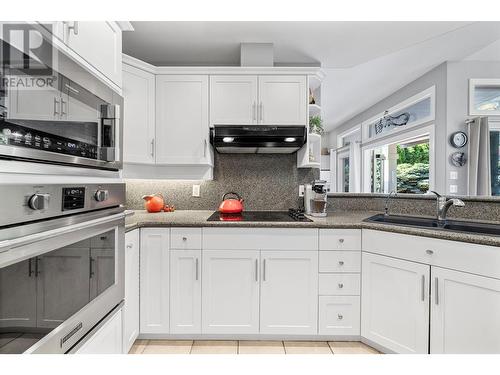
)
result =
(52, 110)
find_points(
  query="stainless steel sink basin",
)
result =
(449, 225)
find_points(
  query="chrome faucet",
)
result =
(443, 204)
(387, 200)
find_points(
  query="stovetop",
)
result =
(267, 216)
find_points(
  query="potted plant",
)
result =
(316, 125)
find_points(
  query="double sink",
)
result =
(431, 223)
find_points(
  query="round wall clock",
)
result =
(458, 139)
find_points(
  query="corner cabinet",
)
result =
(182, 131)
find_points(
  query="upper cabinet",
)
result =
(97, 42)
(233, 100)
(282, 100)
(265, 100)
(182, 132)
(139, 115)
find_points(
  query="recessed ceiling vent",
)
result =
(257, 54)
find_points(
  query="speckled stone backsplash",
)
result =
(475, 208)
(265, 181)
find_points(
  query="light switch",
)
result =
(453, 175)
(453, 188)
(196, 190)
(301, 190)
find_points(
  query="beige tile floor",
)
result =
(249, 347)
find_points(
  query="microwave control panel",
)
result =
(73, 198)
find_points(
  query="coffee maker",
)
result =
(315, 198)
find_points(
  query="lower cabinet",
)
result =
(230, 292)
(289, 292)
(395, 303)
(131, 307)
(465, 313)
(339, 315)
(185, 291)
(154, 280)
(107, 339)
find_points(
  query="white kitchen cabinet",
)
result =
(230, 298)
(395, 303)
(18, 295)
(185, 291)
(339, 315)
(41, 104)
(289, 292)
(97, 42)
(107, 339)
(465, 311)
(139, 115)
(131, 307)
(154, 280)
(182, 131)
(233, 100)
(282, 100)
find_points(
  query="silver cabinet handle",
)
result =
(340, 317)
(436, 281)
(205, 148)
(254, 116)
(264, 270)
(63, 102)
(74, 27)
(341, 240)
(152, 147)
(256, 270)
(423, 287)
(129, 246)
(341, 263)
(184, 239)
(91, 271)
(56, 103)
(341, 285)
(429, 252)
(261, 114)
(197, 269)
(37, 266)
(30, 267)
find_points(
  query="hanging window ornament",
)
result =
(388, 121)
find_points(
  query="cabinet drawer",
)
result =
(260, 238)
(478, 259)
(185, 238)
(339, 261)
(339, 315)
(339, 284)
(340, 239)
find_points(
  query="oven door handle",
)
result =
(26, 240)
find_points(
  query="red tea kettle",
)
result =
(231, 205)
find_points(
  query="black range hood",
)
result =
(257, 139)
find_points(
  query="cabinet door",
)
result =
(102, 270)
(107, 339)
(139, 115)
(185, 291)
(131, 307)
(98, 42)
(154, 280)
(182, 119)
(395, 303)
(230, 301)
(40, 104)
(282, 100)
(62, 285)
(289, 292)
(465, 311)
(18, 295)
(233, 100)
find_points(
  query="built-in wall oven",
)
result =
(61, 263)
(52, 110)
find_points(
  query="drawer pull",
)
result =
(341, 285)
(429, 252)
(340, 317)
(184, 239)
(129, 246)
(341, 262)
(341, 240)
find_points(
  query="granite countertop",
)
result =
(336, 219)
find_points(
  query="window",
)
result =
(484, 97)
(495, 159)
(343, 169)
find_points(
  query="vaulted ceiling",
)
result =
(363, 61)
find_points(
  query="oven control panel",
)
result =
(73, 198)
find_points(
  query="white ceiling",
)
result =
(364, 61)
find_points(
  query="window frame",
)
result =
(473, 83)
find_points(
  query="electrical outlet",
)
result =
(301, 190)
(196, 191)
(453, 175)
(453, 189)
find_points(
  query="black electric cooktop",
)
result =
(267, 216)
